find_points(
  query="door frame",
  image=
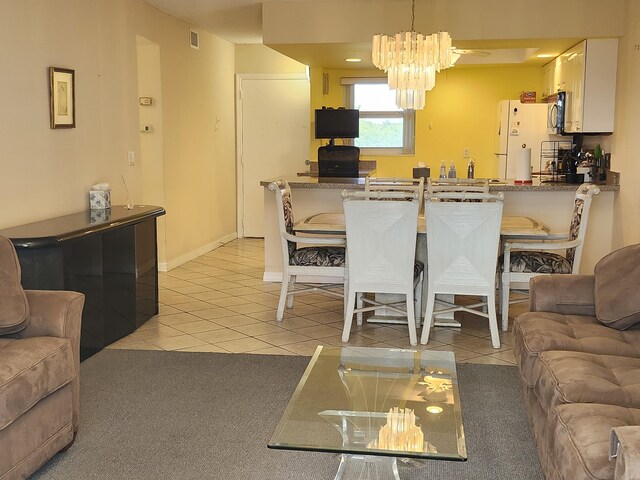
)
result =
(239, 134)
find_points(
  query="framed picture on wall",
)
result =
(62, 103)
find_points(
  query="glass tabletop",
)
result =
(376, 401)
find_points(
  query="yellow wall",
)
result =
(623, 143)
(47, 173)
(461, 112)
(256, 58)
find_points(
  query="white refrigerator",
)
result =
(521, 125)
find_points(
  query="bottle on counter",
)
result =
(443, 170)
(471, 169)
(452, 170)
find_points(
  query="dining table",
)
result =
(333, 224)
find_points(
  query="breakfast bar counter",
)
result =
(549, 203)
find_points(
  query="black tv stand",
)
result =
(338, 160)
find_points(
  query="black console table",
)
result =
(109, 255)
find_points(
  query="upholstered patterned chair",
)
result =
(304, 255)
(522, 260)
(39, 370)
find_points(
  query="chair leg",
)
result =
(344, 299)
(411, 319)
(292, 282)
(493, 320)
(505, 301)
(359, 304)
(283, 296)
(350, 299)
(418, 296)
(427, 320)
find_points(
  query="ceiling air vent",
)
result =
(194, 39)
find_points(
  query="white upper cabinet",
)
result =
(589, 77)
(548, 79)
(587, 72)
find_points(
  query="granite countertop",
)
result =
(504, 186)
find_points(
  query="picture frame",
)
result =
(62, 103)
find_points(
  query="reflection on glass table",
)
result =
(373, 405)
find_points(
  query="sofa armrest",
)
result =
(625, 452)
(565, 294)
(58, 314)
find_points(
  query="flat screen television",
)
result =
(337, 123)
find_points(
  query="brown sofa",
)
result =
(578, 351)
(39, 370)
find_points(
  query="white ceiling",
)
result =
(240, 22)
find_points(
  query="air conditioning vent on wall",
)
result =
(194, 39)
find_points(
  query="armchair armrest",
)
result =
(565, 294)
(546, 244)
(340, 242)
(54, 314)
(58, 314)
(625, 452)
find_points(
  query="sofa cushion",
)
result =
(536, 332)
(32, 368)
(577, 377)
(580, 433)
(616, 290)
(14, 309)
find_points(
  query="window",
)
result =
(385, 129)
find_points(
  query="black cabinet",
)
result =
(110, 257)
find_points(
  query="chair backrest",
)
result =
(477, 185)
(284, 207)
(579, 219)
(381, 240)
(462, 242)
(396, 184)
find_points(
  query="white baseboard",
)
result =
(272, 277)
(187, 257)
(277, 277)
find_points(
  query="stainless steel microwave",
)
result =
(556, 115)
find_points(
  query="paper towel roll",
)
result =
(523, 166)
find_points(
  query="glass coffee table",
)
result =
(373, 405)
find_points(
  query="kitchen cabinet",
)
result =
(548, 79)
(587, 72)
(588, 75)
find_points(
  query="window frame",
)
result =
(408, 117)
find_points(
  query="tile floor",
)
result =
(219, 303)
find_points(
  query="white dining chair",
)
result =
(524, 259)
(320, 257)
(473, 185)
(396, 184)
(462, 251)
(381, 245)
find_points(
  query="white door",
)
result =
(273, 139)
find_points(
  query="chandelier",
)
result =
(411, 61)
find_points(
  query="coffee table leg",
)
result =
(365, 467)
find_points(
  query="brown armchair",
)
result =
(39, 370)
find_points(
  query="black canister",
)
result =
(423, 172)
